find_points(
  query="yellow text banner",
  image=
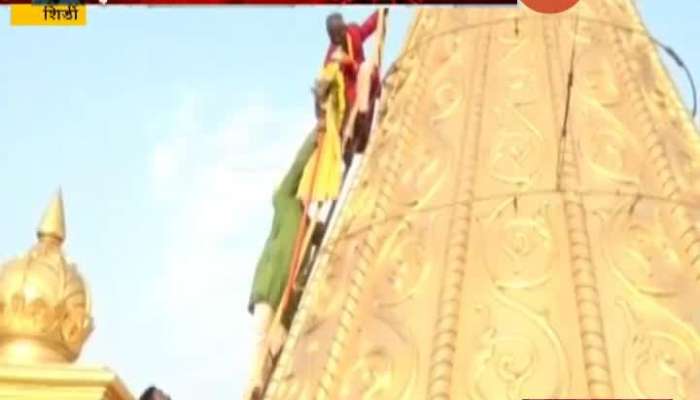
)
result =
(48, 15)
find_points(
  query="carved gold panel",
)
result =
(646, 284)
(518, 337)
(519, 143)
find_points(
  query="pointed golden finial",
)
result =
(45, 312)
(53, 223)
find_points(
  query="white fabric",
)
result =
(318, 211)
(262, 315)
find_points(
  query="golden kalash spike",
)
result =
(53, 222)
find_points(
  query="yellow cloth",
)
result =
(328, 152)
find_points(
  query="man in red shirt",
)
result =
(349, 38)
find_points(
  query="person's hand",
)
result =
(318, 110)
(320, 89)
(319, 136)
(320, 125)
(348, 64)
(347, 60)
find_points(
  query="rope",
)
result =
(636, 196)
(672, 53)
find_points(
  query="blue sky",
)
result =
(167, 129)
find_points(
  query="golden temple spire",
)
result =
(53, 222)
(45, 319)
(45, 307)
(499, 244)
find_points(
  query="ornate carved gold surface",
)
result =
(487, 253)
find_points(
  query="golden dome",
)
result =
(45, 311)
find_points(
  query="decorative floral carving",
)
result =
(370, 376)
(420, 179)
(520, 250)
(640, 250)
(607, 148)
(503, 366)
(403, 263)
(519, 359)
(518, 149)
(517, 154)
(447, 100)
(520, 254)
(597, 78)
(295, 377)
(657, 361)
(385, 366)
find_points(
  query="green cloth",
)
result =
(272, 271)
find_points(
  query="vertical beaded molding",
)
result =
(447, 324)
(591, 332)
(367, 249)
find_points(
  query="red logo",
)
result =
(550, 6)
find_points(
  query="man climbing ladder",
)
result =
(361, 83)
(316, 178)
(318, 171)
(321, 185)
(272, 271)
